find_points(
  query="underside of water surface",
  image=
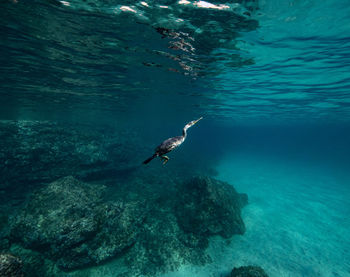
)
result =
(260, 185)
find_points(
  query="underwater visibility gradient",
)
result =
(259, 187)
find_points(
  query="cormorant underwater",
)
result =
(170, 144)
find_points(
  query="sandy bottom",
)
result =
(298, 220)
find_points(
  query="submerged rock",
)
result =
(160, 246)
(10, 266)
(37, 152)
(205, 207)
(35, 264)
(4, 230)
(177, 231)
(68, 222)
(248, 271)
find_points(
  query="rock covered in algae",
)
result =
(4, 229)
(37, 152)
(206, 206)
(161, 246)
(248, 271)
(177, 231)
(35, 264)
(10, 266)
(68, 222)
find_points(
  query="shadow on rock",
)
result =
(248, 271)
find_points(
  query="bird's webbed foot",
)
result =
(165, 159)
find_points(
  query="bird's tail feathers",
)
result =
(150, 159)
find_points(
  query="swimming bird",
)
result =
(170, 144)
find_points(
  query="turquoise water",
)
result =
(302, 227)
(270, 79)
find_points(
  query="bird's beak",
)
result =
(197, 120)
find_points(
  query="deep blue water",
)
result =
(271, 79)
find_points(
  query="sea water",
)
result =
(270, 78)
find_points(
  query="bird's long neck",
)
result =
(184, 132)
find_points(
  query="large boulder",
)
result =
(10, 266)
(248, 271)
(178, 228)
(205, 207)
(68, 222)
(161, 246)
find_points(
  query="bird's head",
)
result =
(190, 124)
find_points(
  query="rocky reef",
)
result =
(35, 152)
(87, 201)
(69, 223)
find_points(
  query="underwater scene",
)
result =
(175, 138)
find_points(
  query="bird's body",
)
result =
(170, 144)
